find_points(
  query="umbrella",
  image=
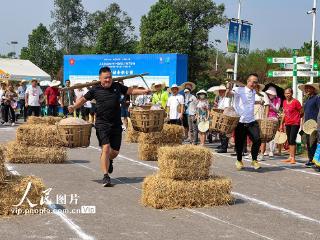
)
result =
(280, 91)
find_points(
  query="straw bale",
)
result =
(149, 152)
(43, 120)
(170, 134)
(132, 136)
(2, 167)
(39, 135)
(17, 153)
(167, 193)
(12, 192)
(184, 162)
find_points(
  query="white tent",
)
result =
(16, 69)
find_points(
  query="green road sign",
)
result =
(280, 73)
(309, 73)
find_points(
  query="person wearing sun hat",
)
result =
(34, 97)
(175, 105)
(203, 109)
(190, 104)
(311, 108)
(52, 95)
(261, 105)
(187, 88)
(273, 113)
(160, 95)
(21, 98)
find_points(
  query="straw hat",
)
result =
(280, 137)
(260, 87)
(203, 126)
(174, 86)
(314, 85)
(202, 92)
(309, 126)
(23, 81)
(272, 91)
(193, 85)
(54, 83)
(163, 85)
(221, 87)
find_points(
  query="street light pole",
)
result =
(217, 54)
(314, 14)
(238, 44)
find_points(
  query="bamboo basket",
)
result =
(268, 129)
(222, 123)
(146, 120)
(74, 136)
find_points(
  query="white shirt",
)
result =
(173, 103)
(34, 94)
(224, 102)
(259, 107)
(244, 99)
(190, 102)
(81, 93)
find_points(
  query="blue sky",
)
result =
(276, 23)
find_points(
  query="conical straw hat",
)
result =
(309, 126)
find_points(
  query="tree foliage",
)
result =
(68, 25)
(41, 50)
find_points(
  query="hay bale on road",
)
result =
(148, 152)
(39, 135)
(132, 136)
(12, 192)
(165, 193)
(169, 134)
(184, 162)
(17, 153)
(43, 120)
(2, 167)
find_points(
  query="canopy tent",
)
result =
(17, 70)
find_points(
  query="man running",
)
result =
(108, 118)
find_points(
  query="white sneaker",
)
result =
(260, 157)
(6, 124)
(12, 124)
(271, 155)
(248, 157)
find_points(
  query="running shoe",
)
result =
(239, 165)
(106, 181)
(110, 170)
(255, 164)
(261, 157)
(309, 164)
(271, 155)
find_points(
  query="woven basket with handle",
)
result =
(222, 123)
(146, 120)
(268, 129)
(74, 136)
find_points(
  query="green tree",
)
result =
(68, 25)
(111, 31)
(113, 15)
(182, 26)
(163, 30)
(42, 51)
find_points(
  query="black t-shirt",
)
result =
(108, 103)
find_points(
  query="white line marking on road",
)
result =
(201, 214)
(268, 205)
(273, 165)
(226, 222)
(74, 227)
(251, 199)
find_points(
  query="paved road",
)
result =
(278, 202)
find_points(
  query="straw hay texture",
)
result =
(166, 193)
(2, 167)
(149, 152)
(184, 162)
(131, 135)
(43, 120)
(12, 192)
(39, 135)
(170, 134)
(17, 153)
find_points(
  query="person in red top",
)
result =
(292, 110)
(52, 95)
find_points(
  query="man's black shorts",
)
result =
(109, 135)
